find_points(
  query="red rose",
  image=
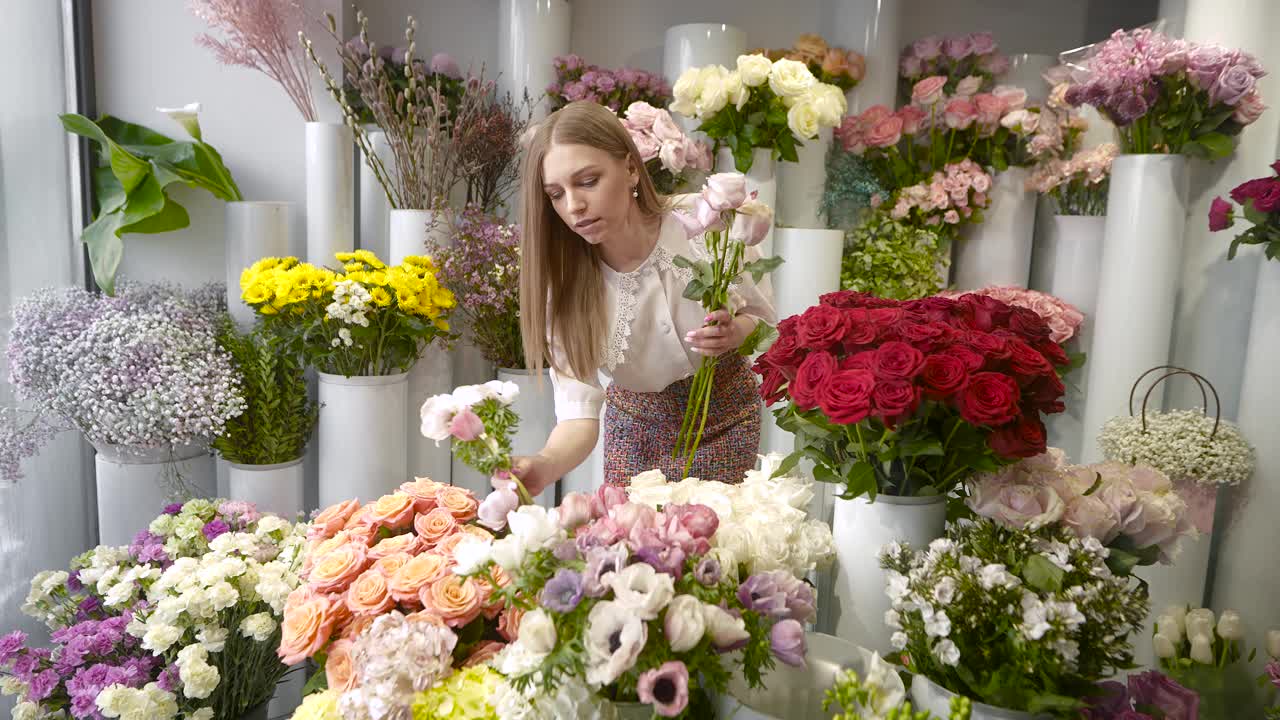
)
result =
(814, 372)
(1022, 439)
(771, 386)
(822, 326)
(1028, 324)
(1026, 360)
(984, 313)
(897, 361)
(937, 309)
(886, 318)
(992, 347)
(854, 299)
(895, 400)
(785, 354)
(943, 375)
(927, 335)
(846, 398)
(1053, 352)
(859, 361)
(1045, 394)
(970, 358)
(861, 330)
(989, 398)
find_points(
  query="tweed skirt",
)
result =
(640, 428)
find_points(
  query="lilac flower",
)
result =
(11, 645)
(707, 571)
(600, 562)
(563, 591)
(667, 559)
(786, 640)
(214, 528)
(760, 593)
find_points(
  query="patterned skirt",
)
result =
(640, 428)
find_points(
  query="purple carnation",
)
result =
(12, 644)
(214, 528)
(1157, 690)
(173, 508)
(563, 591)
(42, 685)
(73, 582)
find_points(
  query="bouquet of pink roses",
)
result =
(956, 57)
(1260, 201)
(1078, 184)
(668, 153)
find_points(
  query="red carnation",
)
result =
(846, 398)
(897, 361)
(814, 372)
(1026, 360)
(943, 375)
(822, 326)
(989, 398)
(1022, 439)
(895, 401)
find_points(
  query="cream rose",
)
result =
(715, 94)
(804, 120)
(790, 78)
(735, 90)
(754, 69)
(394, 511)
(686, 91)
(306, 628)
(829, 102)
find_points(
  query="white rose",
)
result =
(686, 91)
(804, 120)
(790, 78)
(684, 623)
(735, 90)
(829, 102)
(160, 638)
(258, 626)
(642, 590)
(714, 95)
(754, 69)
(538, 631)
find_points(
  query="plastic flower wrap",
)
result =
(1150, 694)
(1259, 201)
(978, 610)
(835, 66)
(670, 156)
(791, 103)
(615, 89)
(368, 319)
(878, 693)
(973, 59)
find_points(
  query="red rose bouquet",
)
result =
(1259, 200)
(911, 398)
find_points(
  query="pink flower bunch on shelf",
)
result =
(953, 56)
(1078, 183)
(956, 193)
(615, 89)
(668, 153)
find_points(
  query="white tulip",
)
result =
(1164, 646)
(1230, 626)
(1273, 644)
(1202, 649)
(1169, 626)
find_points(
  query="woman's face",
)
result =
(589, 189)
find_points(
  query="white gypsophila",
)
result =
(1182, 445)
(350, 304)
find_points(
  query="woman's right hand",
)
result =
(535, 472)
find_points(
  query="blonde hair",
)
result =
(561, 283)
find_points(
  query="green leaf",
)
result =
(788, 464)
(129, 170)
(1235, 245)
(1215, 144)
(1097, 483)
(743, 157)
(1056, 704)
(1042, 574)
(105, 249)
(682, 261)
(171, 217)
(763, 332)
(861, 480)
(758, 268)
(318, 682)
(694, 290)
(1252, 214)
(925, 446)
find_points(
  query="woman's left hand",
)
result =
(724, 333)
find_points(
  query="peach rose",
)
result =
(394, 511)
(335, 570)
(390, 564)
(339, 668)
(407, 544)
(299, 596)
(462, 503)
(423, 491)
(835, 62)
(356, 627)
(811, 47)
(478, 531)
(317, 549)
(332, 519)
(306, 628)
(416, 574)
(857, 66)
(435, 526)
(456, 600)
(446, 546)
(500, 576)
(483, 653)
(360, 518)
(491, 603)
(368, 595)
(509, 623)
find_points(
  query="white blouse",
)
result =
(648, 319)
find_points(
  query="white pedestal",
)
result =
(530, 34)
(873, 29)
(361, 436)
(800, 184)
(134, 486)
(330, 192)
(997, 251)
(537, 410)
(254, 230)
(273, 488)
(374, 208)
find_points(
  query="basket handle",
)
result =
(1201, 382)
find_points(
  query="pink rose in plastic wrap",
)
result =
(640, 115)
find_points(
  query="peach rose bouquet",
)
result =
(380, 575)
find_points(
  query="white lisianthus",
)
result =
(790, 78)
(258, 626)
(754, 69)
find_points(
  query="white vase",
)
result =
(330, 192)
(810, 269)
(362, 436)
(873, 29)
(1026, 70)
(275, 488)
(1137, 285)
(1065, 263)
(536, 407)
(374, 208)
(412, 232)
(762, 179)
(530, 33)
(1182, 583)
(997, 251)
(928, 695)
(792, 693)
(134, 485)
(801, 183)
(699, 44)
(254, 230)
(860, 528)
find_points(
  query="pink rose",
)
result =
(982, 43)
(927, 48)
(911, 66)
(725, 191)
(1249, 109)
(665, 129)
(1089, 516)
(969, 86)
(466, 425)
(886, 133)
(672, 156)
(959, 113)
(1014, 98)
(929, 90)
(752, 223)
(873, 115)
(646, 145)
(697, 155)
(956, 48)
(641, 115)
(989, 107)
(912, 118)
(1016, 506)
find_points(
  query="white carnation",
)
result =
(258, 626)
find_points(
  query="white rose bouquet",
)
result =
(760, 104)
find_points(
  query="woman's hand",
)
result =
(724, 333)
(535, 472)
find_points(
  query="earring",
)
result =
(635, 191)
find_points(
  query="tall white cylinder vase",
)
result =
(362, 436)
(697, 45)
(413, 232)
(860, 528)
(374, 208)
(811, 268)
(762, 179)
(801, 183)
(1137, 285)
(997, 251)
(254, 230)
(530, 34)
(134, 485)
(1244, 577)
(1068, 252)
(275, 488)
(330, 192)
(536, 407)
(873, 29)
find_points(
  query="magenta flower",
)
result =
(1157, 690)
(214, 528)
(666, 688)
(1219, 215)
(443, 64)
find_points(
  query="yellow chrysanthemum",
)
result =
(256, 293)
(377, 277)
(443, 297)
(380, 296)
(442, 325)
(345, 257)
(407, 302)
(368, 257)
(353, 267)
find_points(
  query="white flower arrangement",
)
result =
(1182, 444)
(764, 523)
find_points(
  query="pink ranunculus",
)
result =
(646, 145)
(929, 90)
(466, 425)
(725, 191)
(927, 48)
(969, 86)
(665, 129)
(912, 119)
(1014, 98)
(699, 520)
(959, 113)
(1249, 109)
(886, 133)
(870, 117)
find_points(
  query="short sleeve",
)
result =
(574, 398)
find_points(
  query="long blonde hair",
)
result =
(561, 282)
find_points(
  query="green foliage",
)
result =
(279, 417)
(854, 696)
(136, 166)
(892, 259)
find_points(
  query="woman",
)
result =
(600, 296)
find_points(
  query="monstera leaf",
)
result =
(136, 165)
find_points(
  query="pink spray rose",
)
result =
(959, 113)
(929, 90)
